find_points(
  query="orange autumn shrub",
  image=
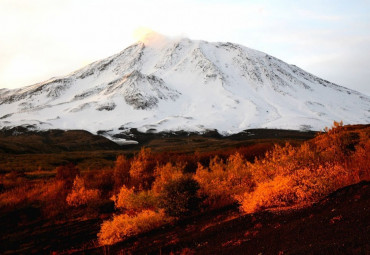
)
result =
(286, 176)
(273, 193)
(128, 199)
(221, 181)
(123, 197)
(239, 174)
(292, 175)
(305, 185)
(273, 163)
(80, 195)
(123, 226)
(141, 169)
(166, 173)
(360, 160)
(121, 173)
(339, 142)
(283, 160)
(289, 175)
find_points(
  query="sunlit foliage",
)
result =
(150, 188)
(141, 170)
(291, 175)
(80, 195)
(166, 173)
(128, 199)
(123, 226)
(221, 181)
(121, 172)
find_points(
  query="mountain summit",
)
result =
(161, 84)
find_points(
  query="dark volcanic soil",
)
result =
(338, 224)
(22, 232)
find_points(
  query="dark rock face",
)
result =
(144, 91)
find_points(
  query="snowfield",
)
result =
(178, 84)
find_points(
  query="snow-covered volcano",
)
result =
(166, 84)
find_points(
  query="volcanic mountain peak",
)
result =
(179, 84)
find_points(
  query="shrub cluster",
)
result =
(151, 195)
(221, 181)
(291, 175)
(149, 189)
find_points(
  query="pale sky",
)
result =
(40, 39)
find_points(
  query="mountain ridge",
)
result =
(167, 84)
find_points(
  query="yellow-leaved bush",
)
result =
(121, 173)
(165, 174)
(221, 181)
(128, 199)
(291, 175)
(141, 169)
(277, 192)
(305, 185)
(123, 226)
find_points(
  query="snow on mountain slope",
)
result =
(178, 84)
